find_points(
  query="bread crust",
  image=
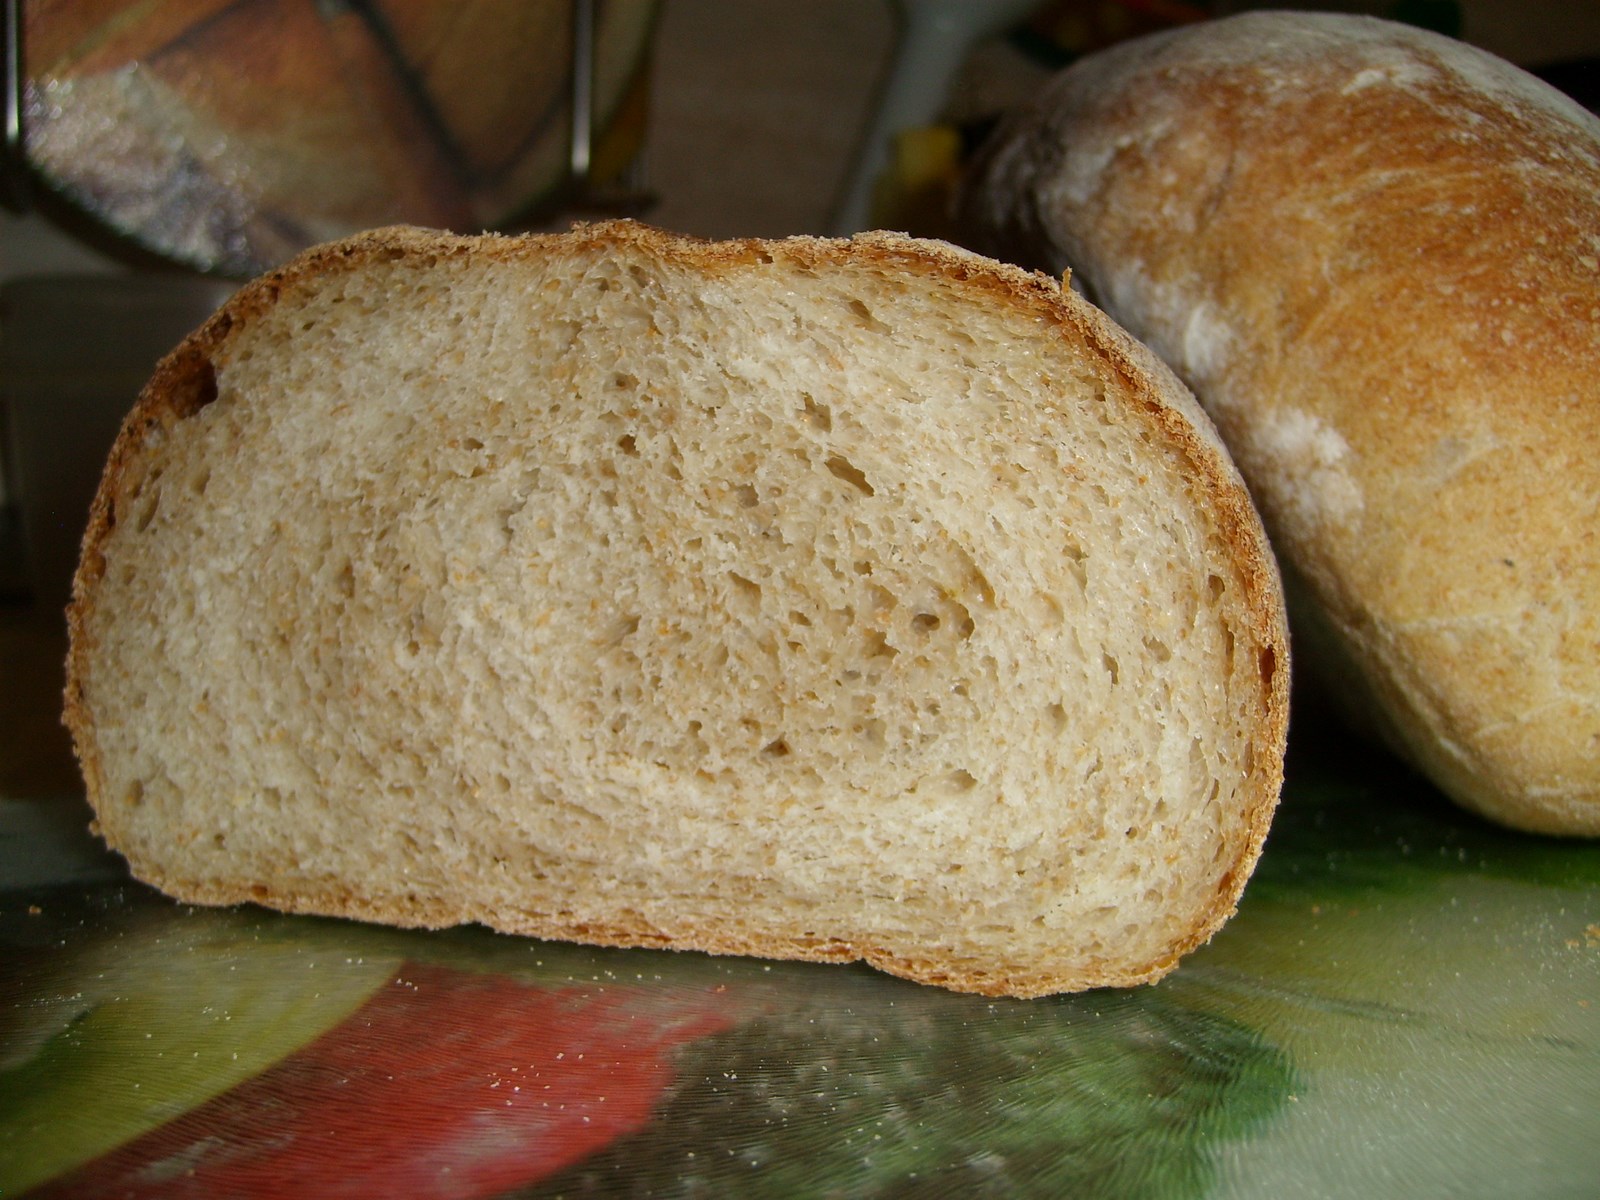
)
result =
(1374, 254)
(184, 383)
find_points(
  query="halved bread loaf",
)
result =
(815, 599)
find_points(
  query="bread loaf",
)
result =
(1374, 254)
(812, 599)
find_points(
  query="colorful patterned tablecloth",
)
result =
(1408, 1003)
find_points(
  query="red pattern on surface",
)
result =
(445, 1083)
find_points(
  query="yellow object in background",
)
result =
(913, 194)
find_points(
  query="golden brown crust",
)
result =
(1375, 256)
(185, 381)
(422, 912)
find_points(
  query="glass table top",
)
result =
(1408, 1003)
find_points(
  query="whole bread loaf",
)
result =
(815, 599)
(1374, 254)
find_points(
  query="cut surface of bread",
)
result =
(1374, 254)
(817, 599)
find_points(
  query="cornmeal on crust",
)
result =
(1374, 254)
(811, 599)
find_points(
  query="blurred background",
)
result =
(222, 135)
(158, 151)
